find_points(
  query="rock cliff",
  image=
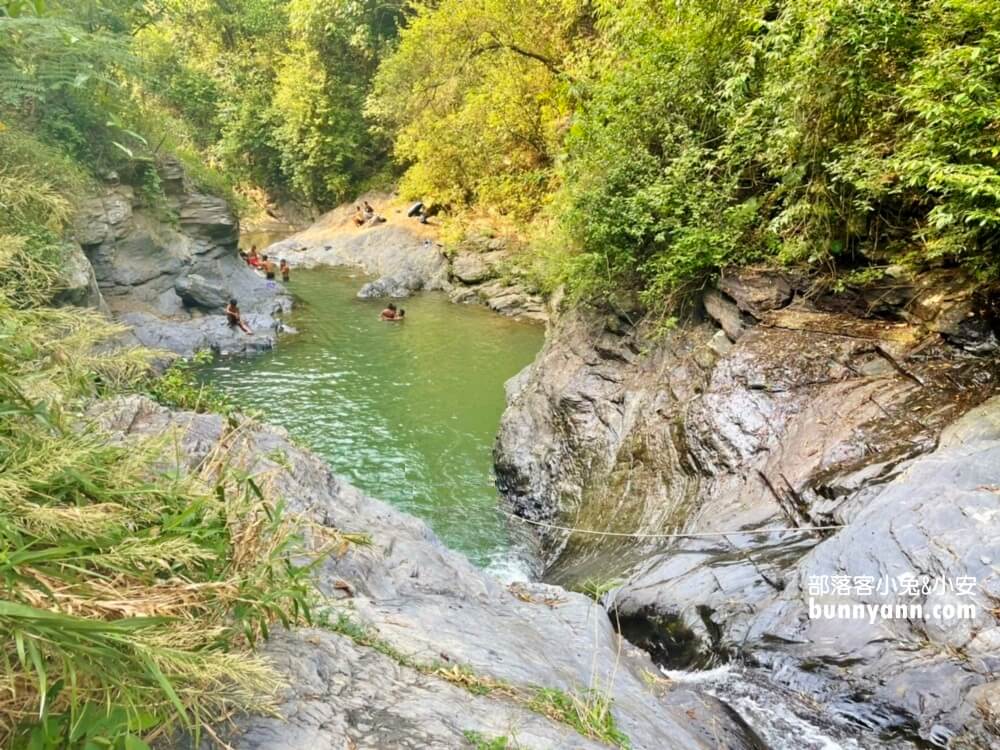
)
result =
(786, 407)
(169, 272)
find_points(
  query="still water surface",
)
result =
(405, 411)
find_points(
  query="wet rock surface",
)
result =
(433, 606)
(170, 272)
(805, 414)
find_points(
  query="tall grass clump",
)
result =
(130, 597)
(131, 593)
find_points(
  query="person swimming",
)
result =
(234, 317)
(389, 313)
(268, 267)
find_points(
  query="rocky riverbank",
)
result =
(784, 407)
(445, 645)
(168, 271)
(406, 256)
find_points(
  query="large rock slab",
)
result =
(805, 420)
(431, 604)
(384, 251)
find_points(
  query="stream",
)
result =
(405, 411)
(408, 413)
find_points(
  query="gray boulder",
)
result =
(196, 291)
(725, 312)
(401, 285)
(756, 291)
(78, 284)
(475, 268)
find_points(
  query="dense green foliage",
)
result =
(646, 143)
(475, 100)
(274, 89)
(666, 140)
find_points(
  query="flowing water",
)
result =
(405, 411)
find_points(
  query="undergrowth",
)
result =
(133, 592)
(131, 596)
(178, 387)
(480, 741)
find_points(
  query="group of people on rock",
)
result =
(365, 214)
(261, 263)
(265, 264)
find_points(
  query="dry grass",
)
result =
(133, 592)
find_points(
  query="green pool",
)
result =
(405, 411)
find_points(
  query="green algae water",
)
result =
(405, 411)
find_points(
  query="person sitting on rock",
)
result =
(359, 217)
(389, 313)
(253, 259)
(369, 212)
(286, 270)
(268, 267)
(234, 317)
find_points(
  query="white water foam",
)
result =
(509, 569)
(768, 712)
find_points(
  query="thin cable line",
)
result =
(678, 535)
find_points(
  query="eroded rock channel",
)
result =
(872, 414)
(784, 408)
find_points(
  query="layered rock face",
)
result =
(784, 409)
(432, 605)
(169, 273)
(483, 272)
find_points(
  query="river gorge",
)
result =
(714, 471)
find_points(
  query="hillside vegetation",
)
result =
(660, 141)
(636, 145)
